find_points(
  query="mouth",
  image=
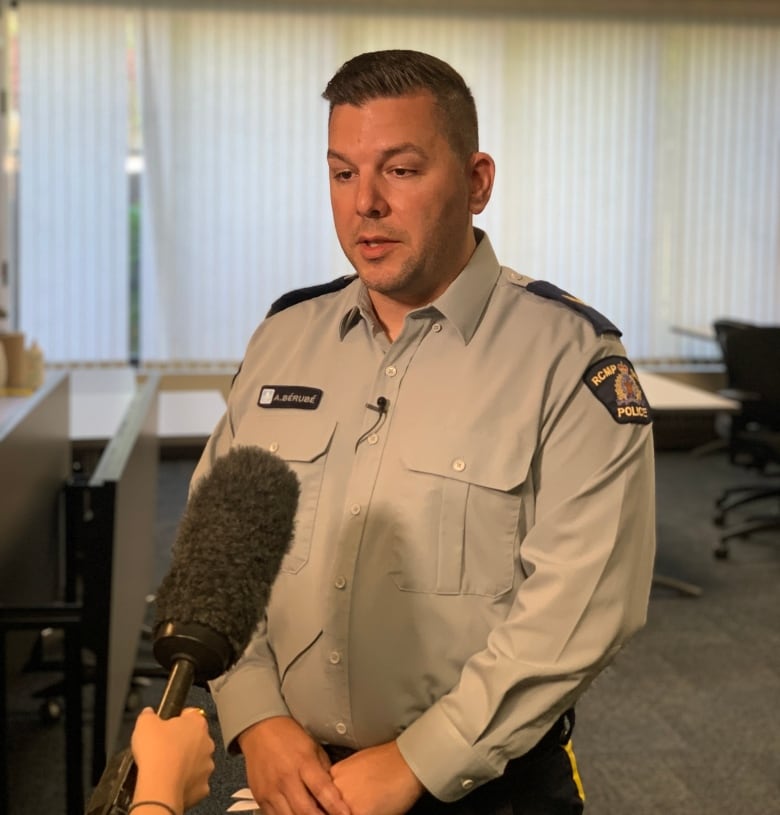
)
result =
(374, 240)
(375, 247)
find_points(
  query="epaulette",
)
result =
(307, 293)
(599, 322)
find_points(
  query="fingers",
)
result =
(305, 788)
(278, 805)
(321, 786)
(324, 759)
(288, 772)
(194, 711)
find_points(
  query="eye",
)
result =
(402, 172)
(341, 175)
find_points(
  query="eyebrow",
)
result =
(390, 152)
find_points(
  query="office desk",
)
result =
(100, 399)
(34, 467)
(666, 395)
(188, 416)
(109, 521)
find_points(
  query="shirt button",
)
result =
(273, 446)
(355, 509)
(340, 582)
(390, 370)
(373, 438)
(341, 728)
(334, 657)
(436, 328)
(459, 465)
(467, 783)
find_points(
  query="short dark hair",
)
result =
(394, 73)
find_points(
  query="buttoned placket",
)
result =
(368, 455)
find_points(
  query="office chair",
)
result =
(723, 422)
(751, 355)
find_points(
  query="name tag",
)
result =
(289, 396)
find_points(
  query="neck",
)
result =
(391, 311)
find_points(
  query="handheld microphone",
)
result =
(234, 533)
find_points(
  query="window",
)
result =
(172, 176)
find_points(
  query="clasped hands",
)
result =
(290, 774)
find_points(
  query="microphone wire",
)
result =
(381, 406)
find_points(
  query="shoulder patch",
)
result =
(599, 322)
(307, 293)
(613, 381)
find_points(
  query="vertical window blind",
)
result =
(718, 178)
(73, 208)
(638, 167)
(235, 191)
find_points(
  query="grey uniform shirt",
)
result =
(464, 564)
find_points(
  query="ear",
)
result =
(482, 171)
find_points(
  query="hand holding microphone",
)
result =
(174, 758)
(232, 538)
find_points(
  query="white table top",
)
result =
(97, 416)
(189, 414)
(665, 394)
(96, 412)
(14, 408)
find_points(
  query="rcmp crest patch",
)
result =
(613, 381)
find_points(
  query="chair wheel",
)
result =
(50, 711)
(721, 551)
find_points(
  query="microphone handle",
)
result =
(179, 683)
(114, 792)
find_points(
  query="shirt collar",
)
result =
(461, 304)
(358, 306)
(465, 299)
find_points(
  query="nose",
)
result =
(370, 201)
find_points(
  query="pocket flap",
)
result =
(488, 459)
(291, 439)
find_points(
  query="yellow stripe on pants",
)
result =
(575, 773)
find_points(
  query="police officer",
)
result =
(475, 535)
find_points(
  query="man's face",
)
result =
(401, 198)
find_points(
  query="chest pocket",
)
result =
(472, 505)
(303, 443)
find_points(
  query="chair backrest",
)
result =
(751, 354)
(724, 327)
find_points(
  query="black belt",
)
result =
(559, 733)
(338, 753)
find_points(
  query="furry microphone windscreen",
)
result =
(235, 530)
